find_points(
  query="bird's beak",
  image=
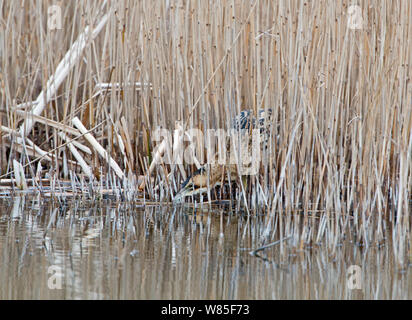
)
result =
(187, 191)
(183, 193)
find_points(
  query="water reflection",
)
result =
(109, 250)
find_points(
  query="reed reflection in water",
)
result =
(111, 250)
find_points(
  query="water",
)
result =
(109, 250)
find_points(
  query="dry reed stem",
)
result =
(97, 146)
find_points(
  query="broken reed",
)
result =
(341, 97)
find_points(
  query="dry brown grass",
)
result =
(342, 97)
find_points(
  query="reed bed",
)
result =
(341, 97)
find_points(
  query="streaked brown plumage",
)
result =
(211, 175)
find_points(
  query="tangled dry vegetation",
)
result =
(79, 104)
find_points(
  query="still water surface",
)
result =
(108, 250)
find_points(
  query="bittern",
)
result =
(212, 175)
